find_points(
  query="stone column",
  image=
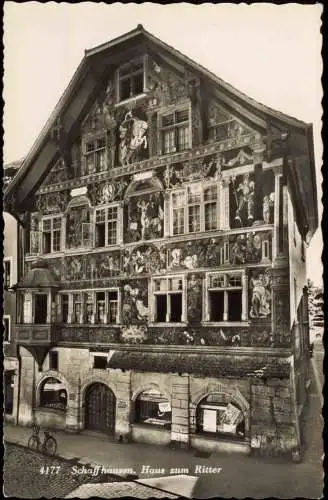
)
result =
(180, 409)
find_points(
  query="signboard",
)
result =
(164, 407)
(209, 422)
(232, 415)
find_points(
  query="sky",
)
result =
(270, 52)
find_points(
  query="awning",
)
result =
(210, 365)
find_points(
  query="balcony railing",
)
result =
(36, 334)
(256, 336)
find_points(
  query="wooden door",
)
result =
(100, 408)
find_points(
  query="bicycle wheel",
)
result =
(33, 443)
(49, 446)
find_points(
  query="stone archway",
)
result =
(99, 408)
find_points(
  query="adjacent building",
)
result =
(163, 220)
(10, 378)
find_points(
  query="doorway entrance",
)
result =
(100, 408)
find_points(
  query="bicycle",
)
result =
(49, 444)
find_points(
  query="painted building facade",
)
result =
(163, 222)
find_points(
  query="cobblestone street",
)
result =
(26, 474)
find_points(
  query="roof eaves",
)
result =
(108, 45)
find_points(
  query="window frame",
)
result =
(7, 260)
(225, 289)
(79, 297)
(175, 126)
(106, 223)
(94, 139)
(168, 292)
(7, 340)
(202, 224)
(52, 230)
(119, 78)
(217, 407)
(157, 422)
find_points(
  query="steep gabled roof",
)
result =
(82, 90)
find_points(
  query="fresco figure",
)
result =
(132, 138)
(261, 296)
(245, 194)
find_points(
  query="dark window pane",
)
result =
(137, 84)
(161, 308)
(125, 89)
(40, 310)
(216, 306)
(100, 362)
(100, 235)
(176, 307)
(234, 305)
(53, 360)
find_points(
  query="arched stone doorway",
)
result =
(100, 408)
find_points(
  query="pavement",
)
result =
(201, 475)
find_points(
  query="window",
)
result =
(6, 328)
(96, 306)
(40, 308)
(153, 408)
(221, 131)
(195, 209)
(95, 156)
(77, 308)
(226, 297)
(106, 226)
(64, 308)
(175, 131)
(100, 362)
(178, 212)
(112, 307)
(27, 308)
(53, 360)
(9, 383)
(89, 308)
(131, 79)
(51, 235)
(169, 300)
(53, 394)
(7, 273)
(78, 227)
(216, 417)
(100, 307)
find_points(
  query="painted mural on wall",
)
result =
(244, 193)
(78, 228)
(166, 87)
(210, 167)
(145, 217)
(59, 173)
(260, 293)
(222, 125)
(52, 202)
(90, 267)
(135, 302)
(103, 193)
(248, 248)
(194, 298)
(101, 115)
(144, 259)
(133, 140)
